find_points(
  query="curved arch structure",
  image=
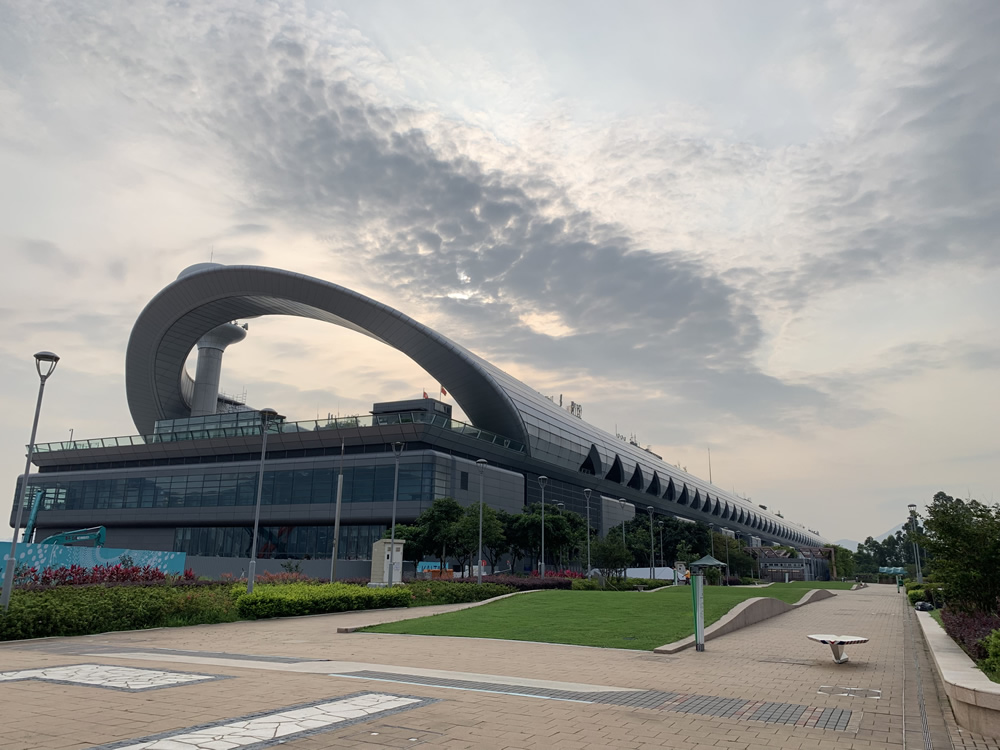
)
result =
(158, 387)
(208, 295)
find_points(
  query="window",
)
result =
(464, 480)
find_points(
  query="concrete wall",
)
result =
(746, 613)
(974, 698)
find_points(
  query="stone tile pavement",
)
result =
(766, 686)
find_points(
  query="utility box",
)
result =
(380, 563)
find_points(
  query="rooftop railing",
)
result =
(311, 425)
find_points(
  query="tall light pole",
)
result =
(481, 463)
(267, 416)
(49, 361)
(397, 449)
(336, 516)
(711, 537)
(652, 544)
(586, 494)
(623, 502)
(560, 505)
(663, 560)
(727, 559)
(916, 547)
(542, 481)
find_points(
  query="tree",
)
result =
(415, 548)
(842, 564)
(437, 526)
(610, 556)
(964, 537)
(466, 545)
(562, 530)
(496, 547)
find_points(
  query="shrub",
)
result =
(293, 599)
(423, 593)
(586, 584)
(534, 583)
(910, 585)
(76, 574)
(991, 664)
(969, 629)
(916, 595)
(293, 576)
(81, 610)
(558, 574)
(201, 605)
(355, 581)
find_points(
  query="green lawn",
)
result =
(609, 619)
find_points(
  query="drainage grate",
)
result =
(702, 705)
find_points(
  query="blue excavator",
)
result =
(95, 534)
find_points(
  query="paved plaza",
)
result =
(303, 684)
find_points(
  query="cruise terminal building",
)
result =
(187, 481)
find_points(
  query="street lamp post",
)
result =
(623, 502)
(560, 505)
(916, 547)
(481, 464)
(586, 494)
(663, 559)
(711, 537)
(652, 544)
(397, 449)
(541, 562)
(267, 416)
(727, 559)
(50, 361)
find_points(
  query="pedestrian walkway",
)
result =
(301, 683)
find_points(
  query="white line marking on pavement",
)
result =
(340, 667)
(106, 676)
(455, 687)
(267, 728)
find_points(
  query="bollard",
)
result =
(698, 602)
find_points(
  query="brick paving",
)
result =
(766, 686)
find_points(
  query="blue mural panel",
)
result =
(43, 556)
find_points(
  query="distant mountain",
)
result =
(848, 544)
(890, 532)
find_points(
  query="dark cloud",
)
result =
(917, 182)
(249, 229)
(499, 254)
(314, 150)
(50, 256)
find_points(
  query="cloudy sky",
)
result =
(767, 228)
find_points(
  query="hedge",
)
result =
(528, 583)
(83, 610)
(423, 593)
(294, 599)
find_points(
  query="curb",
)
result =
(974, 697)
(746, 613)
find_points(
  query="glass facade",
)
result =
(242, 424)
(281, 542)
(362, 484)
